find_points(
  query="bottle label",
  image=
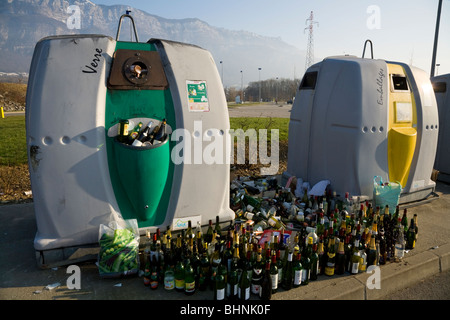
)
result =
(246, 294)
(355, 267)
(274, 281)
(179, 284)
(297, 277)
(169, 283)
(189, 287)
(220, 294)
(329, 271)
(280, 275)
(305, 275)
(255, 288)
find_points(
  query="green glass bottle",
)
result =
(257, 275)
(322, 257)
(147, 270)
(154, 276)
(331, 258)
(314, 259)
(411, 236)
(340, 259)
(228, 258)
(372, 253)
(265, 290)
(219, 288)
(232, 285)
(205, 266)
(123, 130)
(134, 133)
(306, 262)
(288, 273)
(217, 227)
(209, 233)
(189, 279)
(356, 257)
(279, 266)
(298, 271)
(179, 276)
(244, 284)
(274, 273)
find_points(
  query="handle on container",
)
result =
(371, 48)
(120, 25)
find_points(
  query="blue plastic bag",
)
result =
(387, 193)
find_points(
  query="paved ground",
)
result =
(21, 279)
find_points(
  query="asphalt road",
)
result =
(279, 110)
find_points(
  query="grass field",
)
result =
(14, 175)
(13, 148)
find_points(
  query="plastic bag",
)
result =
(387, 193)
(119, 248)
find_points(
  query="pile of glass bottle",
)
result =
(277, 241)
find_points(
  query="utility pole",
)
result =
(310, 48)
(436, 36)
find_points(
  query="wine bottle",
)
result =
(147, 270)
(244, 285)
(416, 226)
(216, 259)
(306, 262)
(257, 275)
(230, 257)
(160, 134)
(298, 271)
(322, 257)
(134, 133)
(217, 227)
(232, 285)
(372, 253)
(405, 221)
(266, 287)
(205, 266)
(179, 276)
(411, 236)
(209, 233)
(154, 276)
(123, 130)
(356, 258)
(331, 258)
(143, 135)
(340, 259)
(363, 253)
(314, 259)
(274, 273)
(399, 243)
(288, 273)
(279, 267)
(219, 288)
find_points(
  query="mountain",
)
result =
(24, 22)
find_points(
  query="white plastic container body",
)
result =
(66, 139)
(442, 162)
(200, 189)
(339, 128)
(68, 161)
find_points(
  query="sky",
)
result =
(400, 30)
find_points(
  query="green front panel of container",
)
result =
(141, 178)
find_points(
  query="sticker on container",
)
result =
(182, 223)
(197, 96)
